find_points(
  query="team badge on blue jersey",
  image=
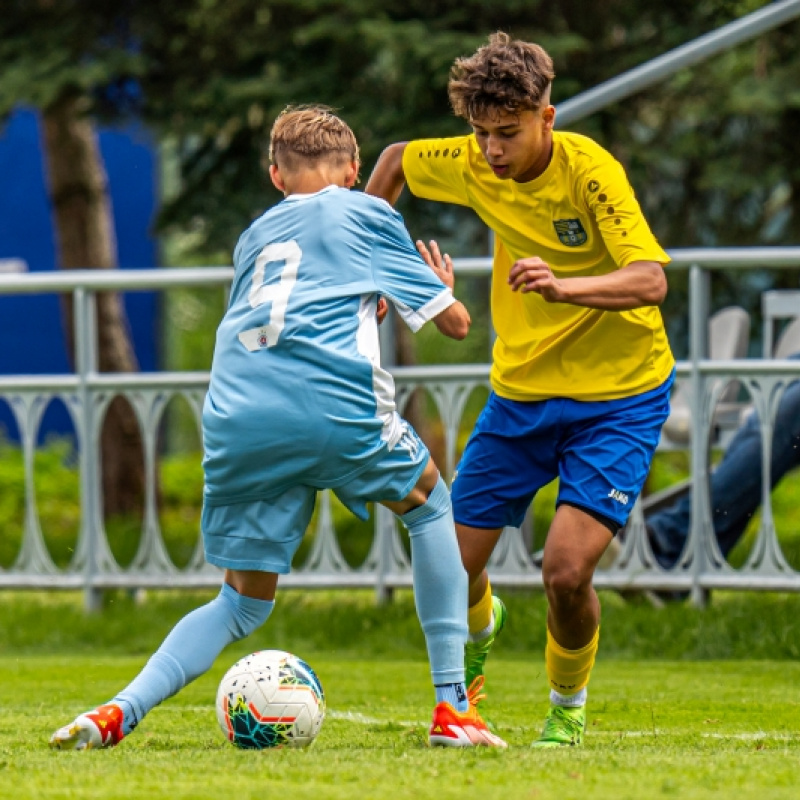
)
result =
(570, 232)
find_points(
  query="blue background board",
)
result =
(32, 338)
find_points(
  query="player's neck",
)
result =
(310, 181)
(540, 164)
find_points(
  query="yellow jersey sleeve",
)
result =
(609, 198)
(435, 169)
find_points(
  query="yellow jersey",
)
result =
(580, 216)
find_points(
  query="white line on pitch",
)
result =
(363, 719)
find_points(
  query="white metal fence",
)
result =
(86, 394)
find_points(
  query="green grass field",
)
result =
(684, 702)
(657, 729)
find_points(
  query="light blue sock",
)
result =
(440, 590)
(453, 693)
(190, 649)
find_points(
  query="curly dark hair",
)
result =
(504, 75)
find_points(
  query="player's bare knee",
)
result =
(564, 580)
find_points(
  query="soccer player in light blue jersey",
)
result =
(297, 403)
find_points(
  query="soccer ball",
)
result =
(270, 699)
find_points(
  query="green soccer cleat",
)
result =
(475, 652)
(563, 727)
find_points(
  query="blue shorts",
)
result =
(264, 534)
(600, 451)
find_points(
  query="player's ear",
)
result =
(276, 178)
(549, 117)
(351, 176)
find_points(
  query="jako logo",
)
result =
(619, 496)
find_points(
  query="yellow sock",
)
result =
(568, 670)
(480, 615)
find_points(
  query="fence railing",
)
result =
(87, 393)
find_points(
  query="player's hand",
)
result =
(534, 275)
(383, 309)
(442, 265)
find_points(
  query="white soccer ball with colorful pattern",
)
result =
(270, 699)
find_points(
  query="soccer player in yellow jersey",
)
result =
(581, 369)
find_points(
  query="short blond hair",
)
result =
(310, 133)
(504, 75)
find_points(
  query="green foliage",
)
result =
(12, 497)
(785, 502)
(711, 151)
(56, 487)
(56, 484)
(75, 46)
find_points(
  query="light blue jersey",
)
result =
(297, 394)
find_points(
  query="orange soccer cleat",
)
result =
(101, 727)
(451, 728)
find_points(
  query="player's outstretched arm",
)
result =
(387, 179)
(641, 283)
(454, 321)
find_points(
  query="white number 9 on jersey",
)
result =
(275, 293)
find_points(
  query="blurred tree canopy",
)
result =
(713, 152)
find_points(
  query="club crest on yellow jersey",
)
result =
(570, 232)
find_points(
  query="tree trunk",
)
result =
(85, 235)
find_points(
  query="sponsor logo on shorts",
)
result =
(409, 442)
(619, 496)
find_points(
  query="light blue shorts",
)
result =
(264, 534)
